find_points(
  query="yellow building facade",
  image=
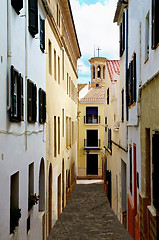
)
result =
(62, 52)
(91, 121)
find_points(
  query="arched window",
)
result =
(104, 72)
(42, 186)
(93, 72)
(98, 72)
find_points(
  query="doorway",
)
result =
(92, 164)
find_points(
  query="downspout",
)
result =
(8, 52)
(26, 68)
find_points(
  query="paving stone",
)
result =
(88, 215)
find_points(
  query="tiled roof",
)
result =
(113, 67)
(94, 95)
(81, 85)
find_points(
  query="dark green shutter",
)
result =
(42, 34)
(40, 106)
(121, 40)
(44, 107)
(29, 98)
(155, 159)
(34, 103)
(123, 33)
(134, 78)
(155, 23)
(17, 5)
(19, 96)
(12, 94)
(129, 84)
(33, 17)
(21, 99)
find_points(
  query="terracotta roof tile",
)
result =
(94, 94)
(113, 67)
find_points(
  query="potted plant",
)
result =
(15, 215)
(32, 200)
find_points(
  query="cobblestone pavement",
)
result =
(88, 216)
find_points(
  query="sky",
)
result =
(95, 29)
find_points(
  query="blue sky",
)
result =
(95, 28)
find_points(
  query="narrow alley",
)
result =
(88, 216)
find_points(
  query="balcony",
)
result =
(93, 144)
(92, 119)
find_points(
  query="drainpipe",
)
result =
(8, 51)
(26, 68)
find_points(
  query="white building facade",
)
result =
(22, 127)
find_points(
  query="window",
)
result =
(147, 37)
(42, 106)
(69, 88)
(50, 56)
(14, 202)
(131, 78)
(92, 139)
(109, 139)
(155, 154)
(42, 34)
(58, 135)
(73, 132)
(54, 64)
(130, 160)
(17, 98)
(92, 115)
(55, 141)
(108, 96)
(105, 124)
(58, 70)
(155, 23)
(32, 101)
(67, 82)
(63, 122)
(98, 72)
(93, 72)
(67, 132)
(17, 5)
(122, 105)
(63, 64)
(104, 72)
(33, 17)
(30, 184)
(122, 36)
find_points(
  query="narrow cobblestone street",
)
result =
(88, 216)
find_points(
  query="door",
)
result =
(92, 164)
(59, 195)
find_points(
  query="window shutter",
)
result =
(40, 106)
(129, 84)
(122, 110)
(123, 33)
(155, 23)
(44, 107)
(33, 17)
(155, 158)
(29, 97)
(134, 78)
(34, 103)
(121, 40)
(132, 83)
(20, 97)
(17, 5)
(42, 34)
(12, 94)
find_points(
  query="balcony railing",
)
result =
(92, 119)
(92, 143)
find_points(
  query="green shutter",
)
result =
(34, 103)
(21, 99)
(44, 107)
(29, 98)
(12, 94)
(40, 106)
(33, 17)
(17, 5)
